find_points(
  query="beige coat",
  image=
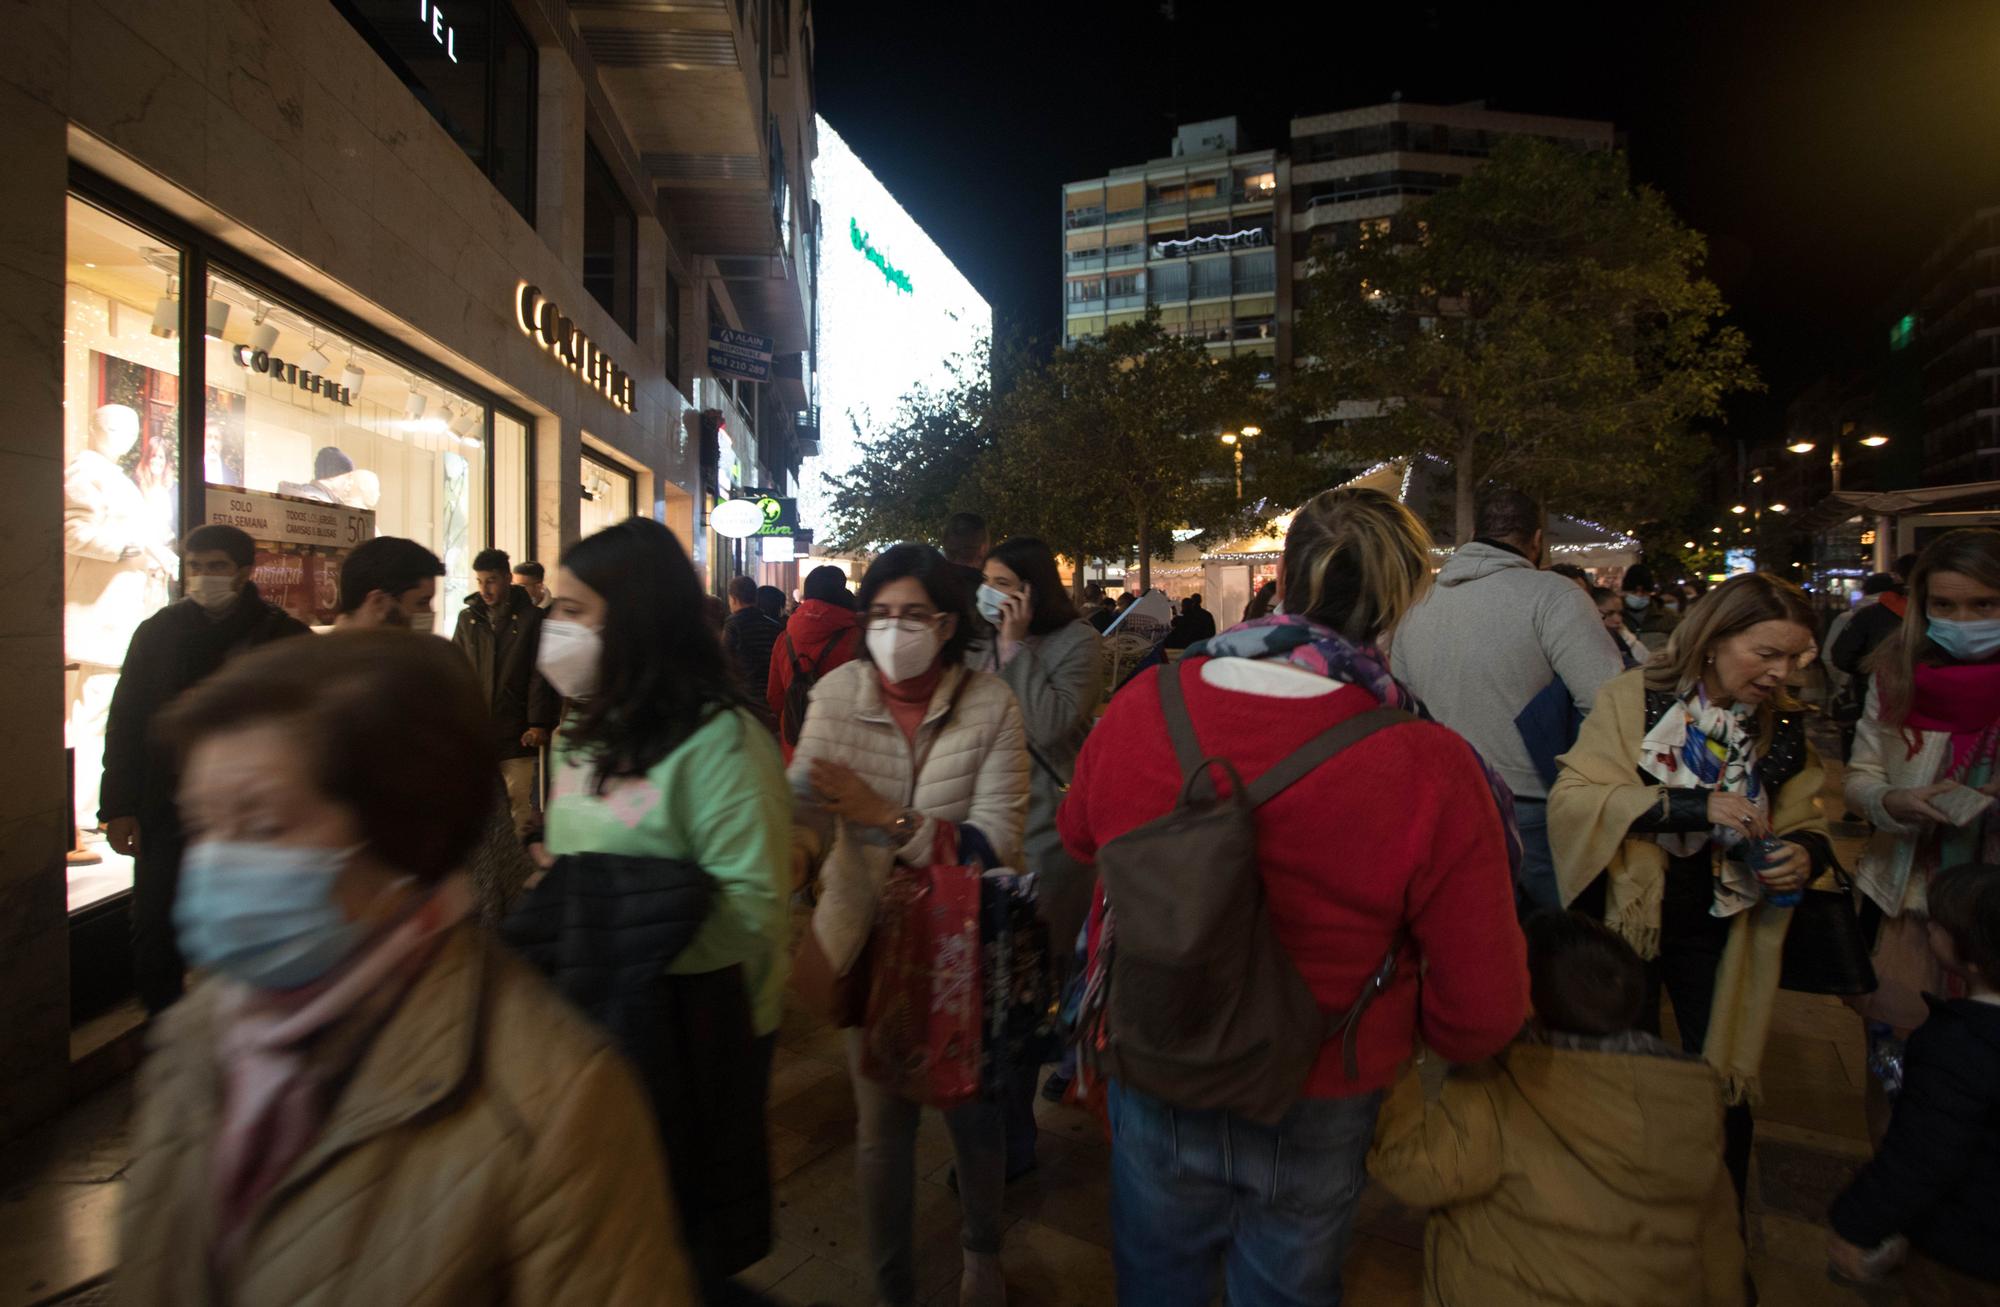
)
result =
(1568, 1177)
(491, 1147)
(1882, 762)
(976, 771)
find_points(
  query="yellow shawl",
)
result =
(1591, 810)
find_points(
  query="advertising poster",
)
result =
(154, 463)
(300, 546)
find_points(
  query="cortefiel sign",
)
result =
(733, 353)
(544, 323)
(267, 364)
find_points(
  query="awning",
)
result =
(1841, 505)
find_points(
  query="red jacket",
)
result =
(1399, 828)
(813, 628)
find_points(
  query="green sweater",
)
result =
(720, 801)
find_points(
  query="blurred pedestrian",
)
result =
(1571, 572)
(389, 581)
(964, 545)
(1510, 657)
(1581, 1165)
(661, 758)
(1646, 611)
(1681, 768)
(1877, 625)
(1194, 624)
(750, 634)
(1930, 1188)
(1050, 658)
(220, 616)
(1926, 734)
(820, 636)
(1611, 611)
(1384, 861)
(1262, 602)
(499, 630)
(901, 743)
(365, 1100)
(530, 576)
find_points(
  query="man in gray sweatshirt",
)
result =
(1510, 657)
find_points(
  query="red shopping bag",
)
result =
(921, 1037)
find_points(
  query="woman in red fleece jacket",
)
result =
(822, 635)
(1405, 828)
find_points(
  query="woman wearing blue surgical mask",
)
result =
(1050, 657)
(900, 743)
(661, 758)
(1924, 757)
(360, 1067)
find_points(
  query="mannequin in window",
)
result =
(117, 569)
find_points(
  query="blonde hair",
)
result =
(1356, 561)
(1972, 552)
(1730, 609)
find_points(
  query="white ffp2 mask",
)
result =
(569, 657)
(901, 654)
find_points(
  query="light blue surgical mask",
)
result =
(1969, 642)
(990, 601)
(1638, 603)
(264, 914)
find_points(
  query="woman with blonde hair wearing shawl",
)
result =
(1681, 767)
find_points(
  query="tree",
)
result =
(1543, 324)
(915, 471)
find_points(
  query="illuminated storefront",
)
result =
(252, 405)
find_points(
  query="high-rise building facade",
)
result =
(1954, 332)
(1194, 234)
(1218, 236)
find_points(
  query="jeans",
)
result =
(1271, 1207)
(1536, 888)
(886, 1165)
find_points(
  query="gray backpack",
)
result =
(1199, 1005)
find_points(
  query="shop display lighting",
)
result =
(352, 376)
(413, 408)
(264, 335)
(167, 311)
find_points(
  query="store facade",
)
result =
(257, 272)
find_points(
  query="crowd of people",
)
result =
(1400, 877)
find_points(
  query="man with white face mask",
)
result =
(389, 581)
(220, 616)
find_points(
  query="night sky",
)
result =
(1824, 148)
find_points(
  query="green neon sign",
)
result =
(1903, 332)
(895, 275)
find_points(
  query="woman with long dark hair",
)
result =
(900, 743)
(662, 758)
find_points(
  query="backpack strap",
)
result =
(1180, 726)
(1293, 767)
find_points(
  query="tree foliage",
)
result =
(1543, 324)
(1108, 447)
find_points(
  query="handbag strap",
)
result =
(1348, 1024)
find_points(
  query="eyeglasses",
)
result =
(909, 619)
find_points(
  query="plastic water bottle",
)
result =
(1763, 856)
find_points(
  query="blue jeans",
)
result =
(1537, 888)
(1271, 1207)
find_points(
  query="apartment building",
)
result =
(1194, 234)
(1954, 332)
(1218, 235)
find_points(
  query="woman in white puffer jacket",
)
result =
(897, 742)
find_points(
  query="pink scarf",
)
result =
(275, 1090)
(1960, 699)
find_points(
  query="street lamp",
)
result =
(1235, 443)
(1873, 440)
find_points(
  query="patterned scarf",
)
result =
(1697, 745)
(1323, 651)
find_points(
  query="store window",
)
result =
(610, 495)
(121, 490)
(513, 522)
(610, 242)
(296, 409)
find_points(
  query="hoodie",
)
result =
(821, 636)
(1569, 1175)
(1494, 633)
(1933, 1179)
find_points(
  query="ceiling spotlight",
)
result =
(167, 310)
(351, 377)
(467, 424)
(315, 360)
(264, 338)
(414, 407)
(218, 316)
